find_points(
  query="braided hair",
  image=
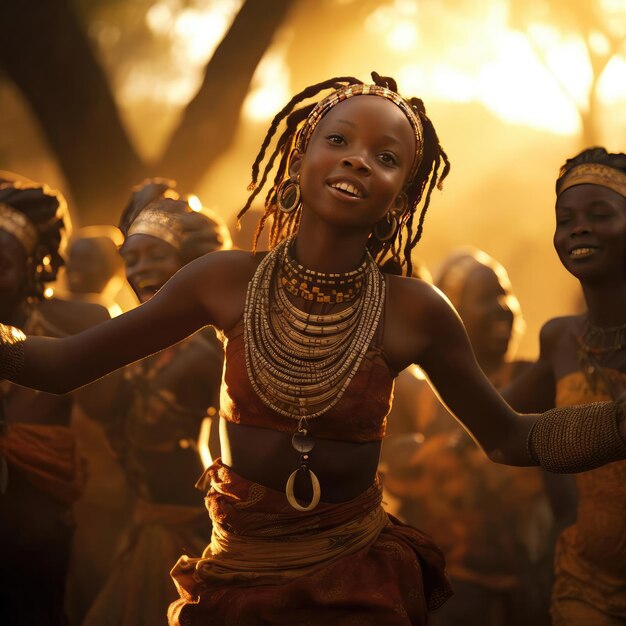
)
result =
(432, 170)
(597, 155)
(46, 209)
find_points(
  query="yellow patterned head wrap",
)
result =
(17, 224)
(593, 174)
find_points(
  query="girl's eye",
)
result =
(388, 158)
(335, 139)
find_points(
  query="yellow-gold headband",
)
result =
(159, 224)
(17, 224)
(593, 174)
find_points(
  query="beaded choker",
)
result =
(597, 345)
(300, 364)
(317, 286)
(599, 340)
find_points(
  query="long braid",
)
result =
(429, 175)
(283, 224)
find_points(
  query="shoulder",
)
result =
(219, 281)
(227, 267)
(558, 328)
(419, 300)
(417, 317)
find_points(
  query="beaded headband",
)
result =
(594, 174)
(17, 224)
(159, 224)
(323, 106)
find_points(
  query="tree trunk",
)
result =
(211, 118)
(46, 53)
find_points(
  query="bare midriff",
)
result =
(344, 469)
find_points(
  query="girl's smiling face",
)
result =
(590, 233)
(357, 162)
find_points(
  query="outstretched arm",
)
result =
(593, 433)
(187, 302)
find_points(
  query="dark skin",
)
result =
(149, 263)
(590, 239)
(22, 405)
(367, 142)
(485, 310)
(487, 317)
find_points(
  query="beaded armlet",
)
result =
(579, 438)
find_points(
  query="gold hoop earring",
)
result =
(402, 203)
(288, 195)
(385, 229)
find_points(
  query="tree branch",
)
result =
(211, 119)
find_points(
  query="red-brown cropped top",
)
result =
(359, 416)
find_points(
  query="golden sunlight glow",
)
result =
(540, 77)
(402, 37)
(193, 32)
(270, 88)
(48, 292)
(612, 86)
(397, 22)
(520, 90)
(194, 202)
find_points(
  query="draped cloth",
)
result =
(139, 590)
(47, 456)
(590, 562)
(347, 563)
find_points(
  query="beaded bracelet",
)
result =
(11, 351)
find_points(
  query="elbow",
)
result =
(498, 455)
(505, 456)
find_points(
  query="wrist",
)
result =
(11, 351)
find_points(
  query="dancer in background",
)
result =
(94, 270)
(40, 470)
(582, 360)
(157, 415)
(315, 334)
(493, 523)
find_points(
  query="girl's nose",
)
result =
(357, 162)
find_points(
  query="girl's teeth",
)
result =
(347, 187)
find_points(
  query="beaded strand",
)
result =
(300, 364)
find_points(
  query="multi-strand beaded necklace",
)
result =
(300, 363)
(598, 345)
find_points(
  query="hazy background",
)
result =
(97, 94)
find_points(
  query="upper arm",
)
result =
(534, 389)
(449, 362)
(191, 299)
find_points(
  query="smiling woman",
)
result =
(158, 411)
(583, 359)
